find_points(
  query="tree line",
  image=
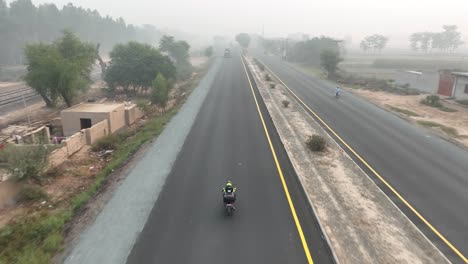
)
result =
(447, 40)
(22, 22)
(321, 51)
(60, 71)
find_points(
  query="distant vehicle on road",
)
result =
(227, 53)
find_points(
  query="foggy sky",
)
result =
(337, 18)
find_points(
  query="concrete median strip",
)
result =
(117, 227)
(361, 222)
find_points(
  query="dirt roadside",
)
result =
(450, 125)
(361, 223)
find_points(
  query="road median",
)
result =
(362, 224)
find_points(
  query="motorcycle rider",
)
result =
(337, 91)
(229, 193)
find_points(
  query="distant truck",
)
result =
(227, 53)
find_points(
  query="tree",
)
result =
(309, 51)
(22, 23)
(329, 60)
(61, 69)
(243, 39)
(448, 40)
(179, 52)
(209, 51)
(160, 91)
(25, 162)
(375, 42)
(134, 65)
(166, 43)
(364, 45)
(415, 40)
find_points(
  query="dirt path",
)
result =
(410, 108)
(361, 223)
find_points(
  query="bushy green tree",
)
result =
(60, 69)
(375, 42)
(309, 51)
(160, 91)
(179, 52)
(329, 61)
(134, 65)
(24, 162)
(243, 39)
(209, 51)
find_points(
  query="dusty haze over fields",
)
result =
(337, 18)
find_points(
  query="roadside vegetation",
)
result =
(25, 163)
(22, 23)
(208, 51)
(133, 68)
(434, 101)
(449, 130)
(374, 84)
(329, 61)
(316, 143)
(243, 39)
(463, 102)
(403, 111)
(38, 236)
(178, 51)
(375, 43)
(60, 70)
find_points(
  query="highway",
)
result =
(429, 173)
(228, 141)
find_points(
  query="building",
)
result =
(460, 85)
(86, 115)
(453, 84)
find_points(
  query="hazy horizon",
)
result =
(336, 18)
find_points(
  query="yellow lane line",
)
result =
(280, 171)
(376, 174)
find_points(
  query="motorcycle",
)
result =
(229, 209)
(228, 199)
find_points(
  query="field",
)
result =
(397, 67)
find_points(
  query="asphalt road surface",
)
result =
(429, 172)
(228, 141)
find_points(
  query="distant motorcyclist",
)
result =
(229, 193)
(337, 91)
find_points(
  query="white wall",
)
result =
(459, 87)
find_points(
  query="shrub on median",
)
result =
(285, 103)
(316, 143)
(267, 77)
